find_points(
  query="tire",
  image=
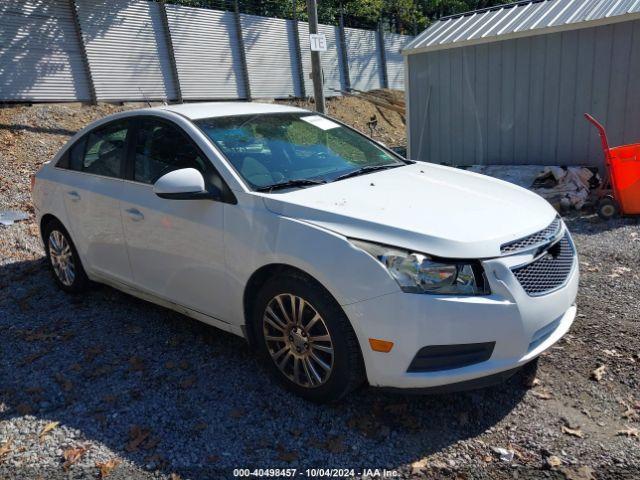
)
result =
(607, 208)
(63, 259)
(306, 340)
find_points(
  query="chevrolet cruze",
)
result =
(339, 261)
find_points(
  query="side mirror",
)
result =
(182, 184)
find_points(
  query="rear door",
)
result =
(91, 191)
(176, 247)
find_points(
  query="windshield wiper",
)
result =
(363, 170)
(297, 182)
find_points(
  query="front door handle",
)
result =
(73, 195)
(135, 214)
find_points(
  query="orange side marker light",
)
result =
(380, 345)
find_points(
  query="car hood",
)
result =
(442, 211)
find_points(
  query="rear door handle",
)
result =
(74, 196)
(135, 214)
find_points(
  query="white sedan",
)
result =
(339, 261)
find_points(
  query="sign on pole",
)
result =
(318, 42)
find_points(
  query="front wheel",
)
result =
(306, 339)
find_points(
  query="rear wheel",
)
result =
(607, 208)
(306, 339)
(63, 258)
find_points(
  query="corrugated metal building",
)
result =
(509, 84)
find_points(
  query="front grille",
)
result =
(548, 272)
(537, 238)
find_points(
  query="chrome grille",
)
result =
(548, 272)
(537, 238)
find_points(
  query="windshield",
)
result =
(293, 149)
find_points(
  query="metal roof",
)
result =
(521, 19)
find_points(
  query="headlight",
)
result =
(419, 273)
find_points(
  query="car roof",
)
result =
(195, 111)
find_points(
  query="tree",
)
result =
(402, 16)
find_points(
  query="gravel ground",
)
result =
(105, 385)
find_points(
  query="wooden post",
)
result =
(316, 67)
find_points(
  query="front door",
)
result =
(176, 247)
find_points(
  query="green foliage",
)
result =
(402, 16)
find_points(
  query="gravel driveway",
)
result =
(105, 385)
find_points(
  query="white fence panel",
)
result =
(205, 45)
(365, 67)
(271, 56)
(128, 56)
(331, 60)
(393, 45)
(40, 54)
(127, 49)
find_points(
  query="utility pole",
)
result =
(316, 68)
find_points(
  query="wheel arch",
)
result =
(259, 278)
(46, 219)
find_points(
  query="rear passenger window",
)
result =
(161, 148)
(72, 158)
(76, 153)
(104, 152)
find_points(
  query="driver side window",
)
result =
(161, 148)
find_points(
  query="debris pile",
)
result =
(563, 187)
(566, 186)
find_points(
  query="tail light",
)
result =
(32, 178)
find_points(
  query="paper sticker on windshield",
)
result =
(320, 122)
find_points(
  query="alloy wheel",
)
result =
(298, 340)
(62, 258)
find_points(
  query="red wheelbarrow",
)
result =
(620, 191)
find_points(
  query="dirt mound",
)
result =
(31, 135)
(383, 125)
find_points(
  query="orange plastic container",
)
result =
(623, 171)
(625, 177)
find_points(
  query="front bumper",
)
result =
(521, 326)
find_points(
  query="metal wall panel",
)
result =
(520, 17)
(40, 55)
(393, 45)
(365, 67)
(521, 101)
(127, 49)
(271, 56)
(332, 70)
(207, 53)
